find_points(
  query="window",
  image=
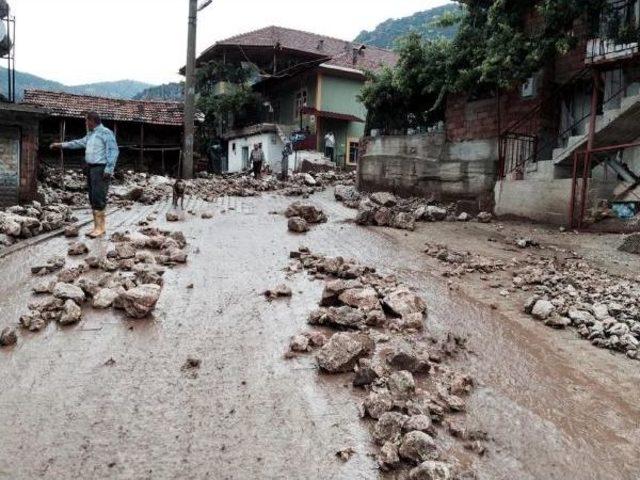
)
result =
(354, 152)
(300, 101)
(528, 88)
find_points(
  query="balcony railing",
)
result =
(619, 33)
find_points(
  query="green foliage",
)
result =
(495, 47)
(426, 23)
(238, 107)
(405, 96)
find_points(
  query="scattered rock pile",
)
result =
(412, 397)
(147, 189)
(463, 262)
(128, 278)
(603, 308)
(386, 210)
(19, 222)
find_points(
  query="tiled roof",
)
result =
(334, 51)
(76, 106)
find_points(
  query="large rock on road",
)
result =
(343, 351)
(140, 301)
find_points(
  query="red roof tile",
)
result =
(60, 104)
(337, 52)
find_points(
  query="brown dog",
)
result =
(179, 189)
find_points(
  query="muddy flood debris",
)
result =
(375, 329)
(384, 209)
(128, 277)
(60, 194)
(128, 186)
(563, 293)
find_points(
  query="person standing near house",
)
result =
(101, 156)
(329, 145)
(257, 159)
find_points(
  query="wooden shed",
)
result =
(19, 132)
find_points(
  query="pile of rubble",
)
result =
(376, 327)
(19, 222)
(128, 278)
(463, 262)
(604, 309)
(386, 210)
(147, 189)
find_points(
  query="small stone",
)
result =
(66, 291)
(299, 343)
(77, 249)
(484, 217)
(418, 447)
(341, 353)
(105, 298)
(401, 384)
(206, 215)
(345, 454)
(388, 458)
(389, 427)
(542, 309)
(172, 217)
(298, 225)
(71, 314)
(8, 337)
(140, 301)
(72, 231)
(431, 470)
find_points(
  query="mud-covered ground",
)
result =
(108, 398)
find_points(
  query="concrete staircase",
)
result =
(615, 126)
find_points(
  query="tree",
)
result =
(498, 45)
(234, 106)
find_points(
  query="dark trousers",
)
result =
(98, 187)
(328, 152)
(257, 169)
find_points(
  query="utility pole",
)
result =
(190, 92)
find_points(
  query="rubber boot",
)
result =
(92, 233)
(101, 228)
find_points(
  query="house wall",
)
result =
(546, 201)
(285, 95)
(271, 144)
(340, 95)
(427, 165)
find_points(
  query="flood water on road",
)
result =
(554, 407)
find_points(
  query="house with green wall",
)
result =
(310, 84)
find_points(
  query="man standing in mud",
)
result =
(101, 155)
(257, 159)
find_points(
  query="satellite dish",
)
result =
(4, 9)
(5, 41)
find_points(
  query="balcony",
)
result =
(618, 33)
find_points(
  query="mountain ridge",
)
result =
(386, 34)
(124, 89)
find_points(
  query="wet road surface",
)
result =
(555, 407)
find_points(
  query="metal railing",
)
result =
(618, 33)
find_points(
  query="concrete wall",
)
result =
(545, 201)
(426, 165)
(271, 144)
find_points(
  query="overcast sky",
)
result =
(82, 41)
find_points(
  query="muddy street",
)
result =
(118, 398)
